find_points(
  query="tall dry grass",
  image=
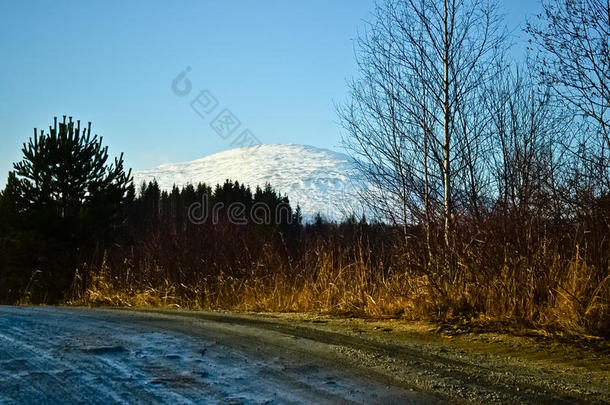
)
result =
(351, 270)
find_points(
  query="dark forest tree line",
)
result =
(64, 206)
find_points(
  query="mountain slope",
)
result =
(319, 180)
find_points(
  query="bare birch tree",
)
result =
(421, 63)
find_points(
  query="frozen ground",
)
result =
(54, 355)
(68, 355)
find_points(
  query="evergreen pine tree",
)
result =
(70, 197)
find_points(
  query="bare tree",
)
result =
(421, 62)
(526, 155)
(575, 61)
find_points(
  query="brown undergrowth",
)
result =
(567, 297)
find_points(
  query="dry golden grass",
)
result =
(562, 299)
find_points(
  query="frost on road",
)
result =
(64, 355)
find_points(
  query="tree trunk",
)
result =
(446, 132)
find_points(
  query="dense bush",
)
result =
(522, 270)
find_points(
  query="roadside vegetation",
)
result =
(491, 193)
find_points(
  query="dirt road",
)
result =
(75, 355)
(64, 355)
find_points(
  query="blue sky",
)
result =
(278, 66)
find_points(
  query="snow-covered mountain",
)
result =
(319, 180)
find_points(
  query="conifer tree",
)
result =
(66, 170)
(70, 198)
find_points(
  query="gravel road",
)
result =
(52, 355)
(72, 355)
